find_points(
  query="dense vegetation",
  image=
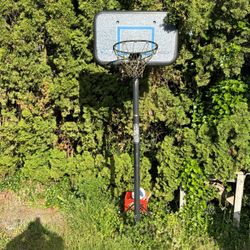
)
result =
(64, 117)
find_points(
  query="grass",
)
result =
(93, 221)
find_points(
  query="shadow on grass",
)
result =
(224, 231)
(36, 237)
(226, 234)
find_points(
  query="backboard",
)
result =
(115, 26)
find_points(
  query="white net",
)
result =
(134, 55)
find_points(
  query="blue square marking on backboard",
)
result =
(122, 28)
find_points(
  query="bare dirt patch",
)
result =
(15, 212)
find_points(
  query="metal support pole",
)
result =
(136, 150)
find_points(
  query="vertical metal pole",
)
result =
(136, 150)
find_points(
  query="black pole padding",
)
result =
(136, 150)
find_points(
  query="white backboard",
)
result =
(116, 26)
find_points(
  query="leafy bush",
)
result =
(64, 116)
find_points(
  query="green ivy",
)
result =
(198, 192)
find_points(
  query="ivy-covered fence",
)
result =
(63, 115)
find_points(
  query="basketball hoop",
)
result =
(138, 38)
(134, 55)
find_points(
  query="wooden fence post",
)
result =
(238, 197)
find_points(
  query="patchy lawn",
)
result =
(24, 226)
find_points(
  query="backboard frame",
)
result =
(136, 27)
